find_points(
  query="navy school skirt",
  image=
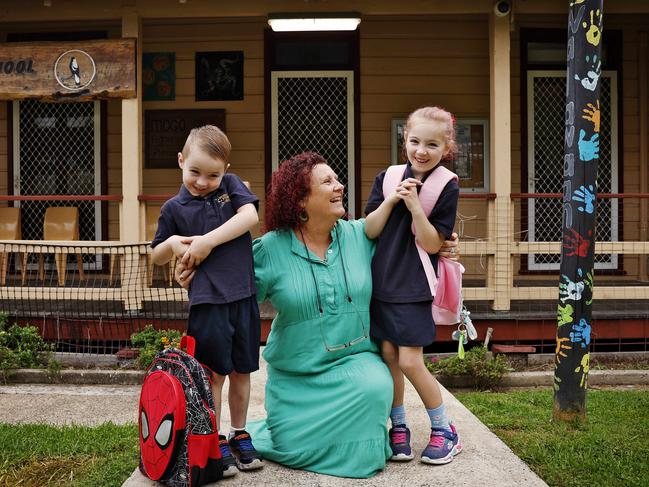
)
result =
(404, 324)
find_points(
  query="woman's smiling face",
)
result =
(326, 194)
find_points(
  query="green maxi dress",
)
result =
(326, 410)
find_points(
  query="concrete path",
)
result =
(486, 461)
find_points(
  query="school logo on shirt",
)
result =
(223, 199)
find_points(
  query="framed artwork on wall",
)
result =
(159, 76)
(219, 76)
(472, 161)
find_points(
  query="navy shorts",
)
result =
(227, 335)
(404, 324)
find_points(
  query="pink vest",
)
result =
(446, 288)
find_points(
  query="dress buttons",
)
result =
(330, 251)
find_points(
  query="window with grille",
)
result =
(57, 152)
(546, 101)
(313, 111)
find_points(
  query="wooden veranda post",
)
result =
(574, 310)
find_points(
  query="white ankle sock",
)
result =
(233, 431)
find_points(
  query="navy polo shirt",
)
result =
(397, 273)
(227, 273)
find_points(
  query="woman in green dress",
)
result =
(328, 394)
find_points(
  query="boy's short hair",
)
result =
(211, 140)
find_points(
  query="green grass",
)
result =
(610, 449)
(40, 455)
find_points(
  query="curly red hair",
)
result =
(290, 184)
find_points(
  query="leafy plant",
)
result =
(484, 372)
(151, 341)
(22, 347)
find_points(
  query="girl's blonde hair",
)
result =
(438, 114)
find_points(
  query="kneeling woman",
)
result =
(328, 393)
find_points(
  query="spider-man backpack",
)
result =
(179, 441)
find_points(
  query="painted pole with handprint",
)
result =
(582, 124)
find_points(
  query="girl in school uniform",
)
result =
(401, 317)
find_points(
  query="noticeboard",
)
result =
(166, 132)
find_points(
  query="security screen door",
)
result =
(314, 111)
(546, 131)
(57, 152)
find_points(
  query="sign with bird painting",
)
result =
(68, 71)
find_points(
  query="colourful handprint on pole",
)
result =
(576, 244)
(586, 196)
(562, 344)
(592, 76)
(592, 114)
(588, 148)
(594, 32)
(581, 333)
(570, 290)
(564, 314)
(584, 368)
(588, 282)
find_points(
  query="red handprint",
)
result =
(576, 244)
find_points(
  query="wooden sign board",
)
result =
(68, 71)
(166, 131)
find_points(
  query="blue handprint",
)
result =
(587, 196)
(581, 333)
(588, 148)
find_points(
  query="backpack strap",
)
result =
(428, 195)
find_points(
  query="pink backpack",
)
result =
(447, 286)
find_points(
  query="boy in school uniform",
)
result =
(207, 225)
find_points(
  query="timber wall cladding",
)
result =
(244, 119)
(411, 62)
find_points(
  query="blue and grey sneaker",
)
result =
(442, 446)
(228, 460)
(247, 457)
(400, 443)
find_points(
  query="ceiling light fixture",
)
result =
(308, 21)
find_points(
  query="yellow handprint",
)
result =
(584, 368)
(593, 114)
(561, 346)
(594, 32)
(576, 2)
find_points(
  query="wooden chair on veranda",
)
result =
(10, 230)
(61, 223)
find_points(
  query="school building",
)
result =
(97, 98)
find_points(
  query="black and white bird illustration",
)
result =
(74, 69)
